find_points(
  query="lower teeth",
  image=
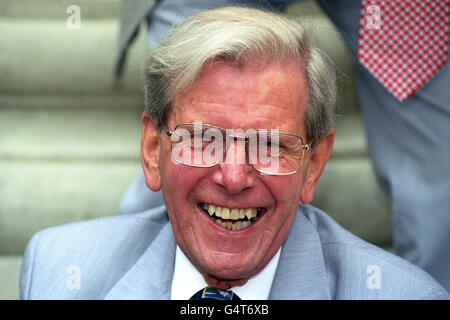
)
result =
(233, 225)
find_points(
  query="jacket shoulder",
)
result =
(93, 254)
(357, 269)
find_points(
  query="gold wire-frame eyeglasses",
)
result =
(190, 127)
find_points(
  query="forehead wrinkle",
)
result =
(247, 119)
(252, 119)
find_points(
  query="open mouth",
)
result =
(232, 218)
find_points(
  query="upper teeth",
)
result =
(228, 213)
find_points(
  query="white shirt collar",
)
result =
(187, 280)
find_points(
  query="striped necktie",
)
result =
(210, 293)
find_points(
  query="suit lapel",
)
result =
(301, 272)
(151, 276)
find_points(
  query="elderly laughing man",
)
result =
(232, 223)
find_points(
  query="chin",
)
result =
(228, 267)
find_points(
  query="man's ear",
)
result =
(150, 150)
(317, 160)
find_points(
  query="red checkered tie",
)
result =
(403, 43)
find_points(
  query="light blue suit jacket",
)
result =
(132, 257)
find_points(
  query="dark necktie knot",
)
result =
(210, 293)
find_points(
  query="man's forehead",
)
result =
(256, 97)
(252, 73)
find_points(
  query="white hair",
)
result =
(236, 35)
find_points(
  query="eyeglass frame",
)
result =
(305, 147)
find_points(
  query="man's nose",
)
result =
(233, 174)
